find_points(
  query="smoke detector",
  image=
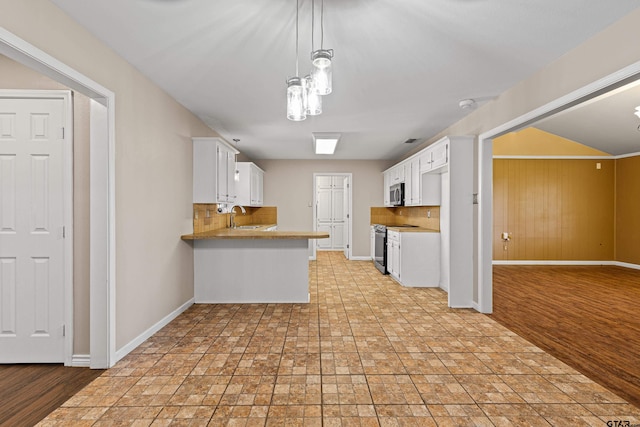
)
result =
(467, 104)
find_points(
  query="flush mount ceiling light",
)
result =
(304, 95)
(325, 143)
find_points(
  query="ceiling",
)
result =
(400, 66)
(607, 123)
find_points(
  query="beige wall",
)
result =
(288, 184)
(154, 268)
(16, 76)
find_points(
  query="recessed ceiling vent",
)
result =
(410, 140)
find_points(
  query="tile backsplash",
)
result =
(422, 216)
(207, 218)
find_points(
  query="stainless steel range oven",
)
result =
(380, 255)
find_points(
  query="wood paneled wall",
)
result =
(554, 209)
(628, 210)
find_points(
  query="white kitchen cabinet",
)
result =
(397, 174)
(440, 154)
(373, 243)
(408, 184)
(393, 254)
(412, 183)
(413, 258)
(213, 171)
(435, 156)
(430, 189)
(387, 187)
(249, 187)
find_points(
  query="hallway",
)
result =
(364, 352)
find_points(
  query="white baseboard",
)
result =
(555, 262)
(128, 348)
(360, 258)
(627, 265)
(551, 262)
(80, 360)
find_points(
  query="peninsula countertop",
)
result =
(259, 233)
(411, 229)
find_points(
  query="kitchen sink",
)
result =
(248, 227)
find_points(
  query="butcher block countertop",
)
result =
(255, 233)
(406, 229)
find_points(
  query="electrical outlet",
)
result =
(428, 213)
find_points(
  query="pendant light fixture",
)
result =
(296, 109)
(321, 60)
(304, 95)
(313, 100)
(312, 97)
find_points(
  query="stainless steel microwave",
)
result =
(396, 195)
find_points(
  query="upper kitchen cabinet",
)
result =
(250, 184)
(213, 171)
(387, 185)
(392, 176)
(434, 156)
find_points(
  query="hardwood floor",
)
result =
(28, 393)
(586, 316)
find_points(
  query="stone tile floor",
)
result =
(364, 352)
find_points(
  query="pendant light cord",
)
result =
(313, 19)
(322, 24)
(297, 13)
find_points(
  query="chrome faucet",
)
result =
(233, 222)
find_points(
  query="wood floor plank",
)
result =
(586, 316)
(30, 392)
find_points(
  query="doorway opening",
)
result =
(102, 190)
(600, 87)
(332, 212)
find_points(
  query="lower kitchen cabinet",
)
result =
(413, 258)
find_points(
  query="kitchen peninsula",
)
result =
(252, 265)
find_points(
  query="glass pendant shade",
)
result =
(295, 100)
(321, 71)
(313, 100)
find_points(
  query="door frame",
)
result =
(312, 243)
(67, 201)
(484, 225)
(102, 233)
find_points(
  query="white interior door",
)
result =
(324, 216)
(32, 292)
(346, 214)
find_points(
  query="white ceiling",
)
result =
(400, 66)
